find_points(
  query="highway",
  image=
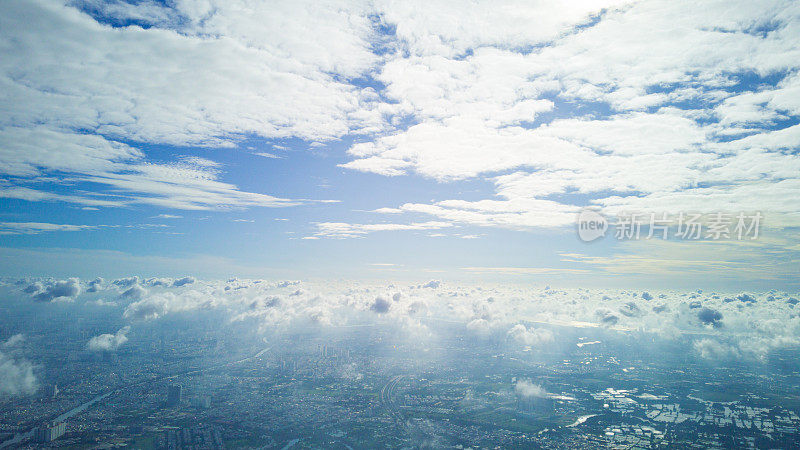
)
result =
(387, 399)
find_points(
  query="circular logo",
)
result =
(591, 225)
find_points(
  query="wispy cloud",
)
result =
(525, 270)
(37, 227)
(269, 155)
(351, 230)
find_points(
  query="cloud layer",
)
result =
(108, 342)
(714, 325)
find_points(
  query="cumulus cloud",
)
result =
(630, 309)
(479, 326)
(709, 316)
(527, 389)
(126, 282)
(108, 342)
(521, 317)
(272, 301)
(714, 350)
(165, 282)
(417, 307)
(530, 337)
(606, 317)
(381, 305)
(33, 288)
(59, 290)
(183, 281)
(135, 292)
(158, 305)
(17, 376)
(95, 285)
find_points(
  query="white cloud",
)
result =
(175, 86)
(172, 84)
(189, 183)
(57, 290)
(529, 337)
(381, 305)
(439, 28)
(479, 326)
(108, 342)
(37, 227)
(16, 376)
(634, 105)
(522, 316)
(523, 270)
(350, 230)
(134, 292)
(269, 155)
(518, 213)
(684, 128)
(158, 305)
(183, 281)
(526, 389)
(168, 216)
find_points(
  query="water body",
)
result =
(80, 408)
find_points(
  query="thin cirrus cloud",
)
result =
(351, 230)
(38, 227)
(167, 216)
(18, 228)
(269, 155)
(188, 183)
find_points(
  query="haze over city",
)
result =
(386, 224)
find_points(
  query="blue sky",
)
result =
(396, 140)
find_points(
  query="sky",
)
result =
(398, 140)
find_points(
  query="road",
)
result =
(387, 399)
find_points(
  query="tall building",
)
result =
(50, 432)
(174, 395)
(51, 391)
(202, 402)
